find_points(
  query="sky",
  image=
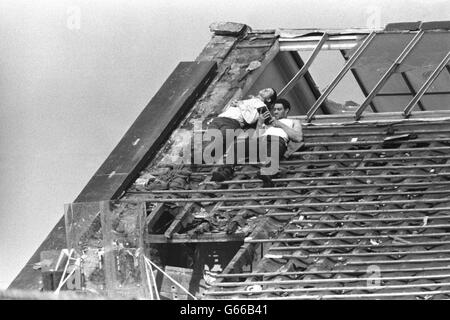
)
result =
(74, 75)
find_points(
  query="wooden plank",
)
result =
(339, 238)
(377, 117)
(153, 217)
(247, 251)
(339, 76)
(356, 254)
(292, 197)
(375, 295)
(335, 133)
(358, 81)
(362, 177)
(254, 75)
(350, 168)
(330, 160)
(411, 89)
(179, 219)
(329, 246)
(416, 99)
(288, 188)
(217, 49)
(330, 204)
(341, 280)
(370, 142)
(109, 264)
(370, 228)
(202, 238)
(328, 272)
(304, 68)
(392, 68)
(343, 221)
(253, 46)
(176, 223)
(308, 43)
(399, 211)
(335, 288)
(396, 150)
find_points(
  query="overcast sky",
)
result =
(74, 75)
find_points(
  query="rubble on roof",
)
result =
(349, 202)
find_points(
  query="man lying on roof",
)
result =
(240, 114)
(274, 132)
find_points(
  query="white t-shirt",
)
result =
(245, 111)
(273, 131)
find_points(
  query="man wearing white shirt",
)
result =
(275, 137)
(286, 130)
(245, 112)
(241, 114)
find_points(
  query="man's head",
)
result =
(268, 95)
(281, 109)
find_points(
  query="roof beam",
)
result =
(359, 82)
(301, 196)
(277, 189)
(339, 77)
(305, 67)
(411, 89)
(337, 204)
(202, 238)
(388, 74)
(308, 43)
(426, 85)
(384, 236)
(327, 272)
(391, 94)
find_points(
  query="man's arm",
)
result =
(295, 135)
(260, 124)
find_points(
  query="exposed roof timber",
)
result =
(202, 238)
(426, 85)
(330, 186)
(339, 39)
(411, 89)
(309, 81)
(388, 73)
(302, 196)
(339, 76)
(307, 43)
(300, 32)
(334, 271)
(307, 39)
(377, 117)
(359, 82)
(394, 94)
(305, 67)
(354, 296)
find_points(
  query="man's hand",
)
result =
(266, 115)
(263, 117)
(277, 123)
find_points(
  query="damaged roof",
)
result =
(366, 196)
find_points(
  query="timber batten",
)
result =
(365, 189)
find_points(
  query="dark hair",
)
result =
(285, 103)
(273, 98)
